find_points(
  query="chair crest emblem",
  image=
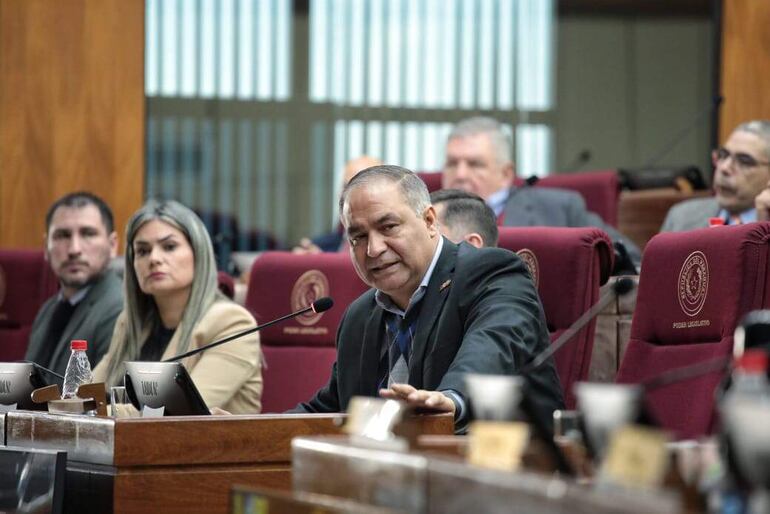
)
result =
(693, 283)
(309, 287)
(530, 260)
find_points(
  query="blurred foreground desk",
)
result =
(421, 483)
(174, 464)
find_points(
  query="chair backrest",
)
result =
(568, 265)
(26, 281)
(299, 352)
(432, 179)
(599, 189)
(226, 284)
(694, 288)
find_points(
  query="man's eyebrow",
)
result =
(352, 229)
(386, 218)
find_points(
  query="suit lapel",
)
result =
(37, 341)
(370, 353)
(432, 304)
(516, 212)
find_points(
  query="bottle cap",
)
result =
(716, 222)
(79, 344)
(752, 361)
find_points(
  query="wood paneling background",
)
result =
(71, 109)
(745, 63)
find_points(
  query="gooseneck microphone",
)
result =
(318, 306)
(621, 287)
(43, 368)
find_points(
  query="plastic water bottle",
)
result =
(78, 369)
(750, 376)
(749, 383)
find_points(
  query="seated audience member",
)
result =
(463, 216)
(478, 160)
(436, 310)
(741, 170)
(334, 241)
(80, 241)
(173, 305)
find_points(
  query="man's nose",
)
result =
(375, 245)
(462, 171)
(726, 166)
(76, 245)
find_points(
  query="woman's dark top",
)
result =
(153, 348)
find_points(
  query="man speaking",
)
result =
(436, 310)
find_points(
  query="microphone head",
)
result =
(623, 286)
(531, 181)
(322, 304)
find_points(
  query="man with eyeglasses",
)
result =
(741, 172)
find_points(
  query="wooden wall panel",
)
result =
(745, 74)
(71, 109)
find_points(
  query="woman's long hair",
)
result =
(140, 309)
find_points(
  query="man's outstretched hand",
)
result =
(419, 398)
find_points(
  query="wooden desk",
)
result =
(641, 213)
(260, 501)
(425, 484)
(173, 464)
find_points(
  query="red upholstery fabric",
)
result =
(26, 281)
(432, 179)
(293, 374)
(599, 189)
(694, 288)
(303, 348)
(571, 264)
(226, 284)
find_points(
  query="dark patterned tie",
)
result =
(399, 351)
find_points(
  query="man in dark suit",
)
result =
(436, 310)
(478, 160)
(80, 241)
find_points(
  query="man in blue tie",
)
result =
(436, 310)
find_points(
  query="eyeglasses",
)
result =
(742, 161)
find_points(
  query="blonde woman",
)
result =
(172, 305)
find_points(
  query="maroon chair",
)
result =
(26, 281)
(567, 265)
(694, 288)
(599, 189)
(226, 284)
(299, 353)
(432, 179)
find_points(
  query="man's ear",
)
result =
(113, 238)
(431, 221)
(474, 239)
(509, 172)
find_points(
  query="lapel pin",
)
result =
(445, 285)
